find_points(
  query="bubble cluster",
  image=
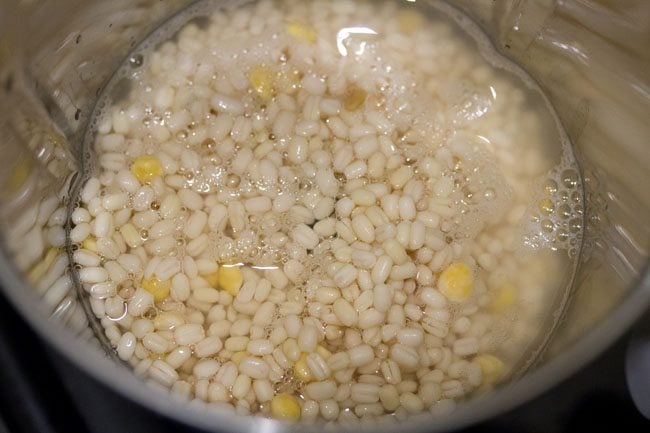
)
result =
(554, 218)
(482, 193)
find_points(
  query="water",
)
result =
(490, 170)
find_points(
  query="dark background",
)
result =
(34, 399)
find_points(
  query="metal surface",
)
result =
(637, 367)
(599, 90)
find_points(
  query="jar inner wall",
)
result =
(66, 77)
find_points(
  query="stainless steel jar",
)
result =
(590, 58)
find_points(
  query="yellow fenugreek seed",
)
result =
(285, 407)
(146, 167)
(324, 353)
(301, 31)
(90, 243)
(504, 298)
(230, 278)
(301, 369)
(262, 80)
(159, 289)
(354, 98)
(238, 356)
(456, 282)
(39, 270)
(491, 367)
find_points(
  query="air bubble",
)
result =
(136, 60)
(546, 206)
(233, 180)
(457, 165)
(550, 187)
(576, 197)
(575, 225)
(547, 226)
(569, 178)
(150, 314)
(564, 196)
(578, 209)
(564, 211)
(208, 144)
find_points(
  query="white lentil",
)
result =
(126, 346)
(466, 346)
(189, 334)
(363, 228)
(155, 343)
(345, 276)
(116, 201)
(254, 367)
(360, 355)
(345, 313)
(93, 274)
(364, 392)
(307, 338)
(259, 347)
(241, 386)
(163, 373)
(382, 269)
(404, 356)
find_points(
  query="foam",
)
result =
(490, 193)
(554, 217)
(478, 208)
(552, 230)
